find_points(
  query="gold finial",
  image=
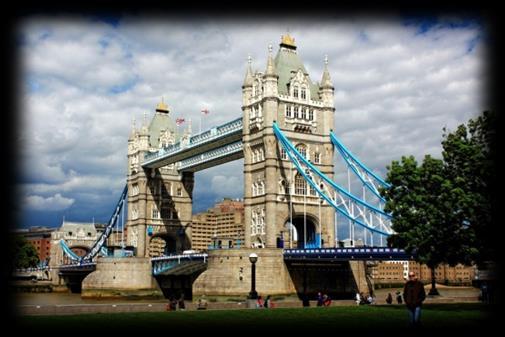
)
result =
(249, 59)
(326, 59)
(270, 48)
(288, 40)
(162, 106)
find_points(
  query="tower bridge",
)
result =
(290, 197)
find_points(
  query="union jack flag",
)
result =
(179, 121)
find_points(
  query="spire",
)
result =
(270, 64)
(133, 130)
(288, 42)
(326, 80)
(248, 80)
(189, 129)
(143, 129)
(162, 107)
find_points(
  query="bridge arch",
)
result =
(162, 244)
(303, 226)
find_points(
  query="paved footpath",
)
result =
(73, 309)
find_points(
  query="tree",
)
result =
(24, 253)
(421, 200)
(470, 157)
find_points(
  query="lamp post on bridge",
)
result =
(253, 257)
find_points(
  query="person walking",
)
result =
(182, 305)
(414, 295)
(259, 302)
(267, 303)
(319, 299)
(399, 297)
(389, 299)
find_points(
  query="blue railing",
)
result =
(351, 253)
(207, 136)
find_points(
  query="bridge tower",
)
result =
(159, 200)
(275, 196)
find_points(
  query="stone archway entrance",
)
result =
(305, 233)
(160, 245)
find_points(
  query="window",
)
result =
(317, 157)
(288, 111)
(284, 155)
(311, 114)
(303, 113)
(155, 213)
(179, 191)
(135, 214)
(254, 190)
(261, 188)
(135, 189)
(304, 93)
(295, 91)
(302, 148)
(300, 185)
(253, 156)
(296, 112)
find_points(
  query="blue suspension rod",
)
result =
(366, 183)
(280, 135)
(289, 149)
(337, 143)
(103, 237)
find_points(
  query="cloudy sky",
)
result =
(398, 81)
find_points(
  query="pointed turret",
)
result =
(248, 80)
(270, 76)
(248, 83)
(270, 63)
(133, 131)
(326, 87)
(326, 80)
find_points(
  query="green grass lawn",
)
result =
(463, 317)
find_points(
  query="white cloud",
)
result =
(54, 203)
(84, 81)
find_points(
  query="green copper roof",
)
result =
(287, 64)
(161, 121)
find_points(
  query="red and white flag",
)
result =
(179, 121)
(205, 111)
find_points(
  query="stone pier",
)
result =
(121, 277)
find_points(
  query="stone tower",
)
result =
(159, 200)
(275, 196)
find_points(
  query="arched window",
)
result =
(300, 185)
(302, 148)
(254, 190)
(295, 91)
(253, 156)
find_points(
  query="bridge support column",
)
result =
(121, 277)
(229, 273)
(358, 269)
